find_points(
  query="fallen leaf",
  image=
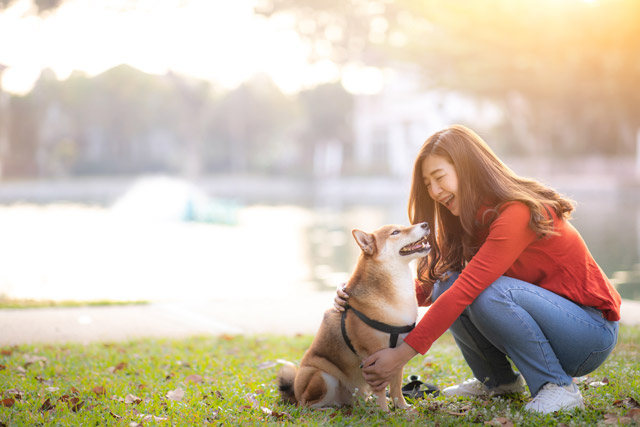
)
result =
(15, 393)
(44, 380)
(75, 390)
(267, 365)
(218, 395)
(457, 414)
(46, 405)
(52, 389)
(2, 367)
(6, 352)
(8, 402)
(75, 404)
(611, 419)
(598, 384)
(31, 359)
(116, 416)
(99, 390)
(175, 395)
(118, 398)
(130, 398)
(252, 399)
(634, 413)
(500, 421)
(194, 378)
(629, 402)
(152, 417)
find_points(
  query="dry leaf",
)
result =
(267, 365)
(75, 390)
(218, 395)
(75, 404)
(116, 416)
(44, 381)
(31, 359)
(152, 417)
(598, 384)
(15, 393)
(175, 395)
(6, 352)
(99, 390)
(634, 413)
(46, 405)
(130, 398)
(2, 367)
(195, 378)
(611, 419)
(8, 402)
(500, 421)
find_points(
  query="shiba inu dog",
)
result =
(382, 308)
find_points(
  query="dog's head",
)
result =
(395, 241)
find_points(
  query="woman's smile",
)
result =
(441, 179)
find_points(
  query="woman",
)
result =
(507, 274)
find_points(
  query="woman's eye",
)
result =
(395, 232)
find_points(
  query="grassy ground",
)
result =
(230, 380)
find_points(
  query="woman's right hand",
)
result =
(340, 301)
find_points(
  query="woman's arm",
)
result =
(509, 235)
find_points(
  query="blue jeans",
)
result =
(548, 337)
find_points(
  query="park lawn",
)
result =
(230, 380)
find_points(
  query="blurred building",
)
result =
(392, 125)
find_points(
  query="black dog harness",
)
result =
(395, 331)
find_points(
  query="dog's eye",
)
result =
(395, 232)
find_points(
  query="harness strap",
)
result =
(394, 331)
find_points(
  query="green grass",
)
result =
(89, 385)
(13, 303)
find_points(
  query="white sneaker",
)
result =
(553, 397)
(475, 388)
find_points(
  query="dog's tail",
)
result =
(286, 377)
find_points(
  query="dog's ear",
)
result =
(366, 241)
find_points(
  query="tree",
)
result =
(564, 71)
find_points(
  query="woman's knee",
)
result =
(496, 296)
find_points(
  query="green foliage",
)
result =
(563, 71)
(230, 380)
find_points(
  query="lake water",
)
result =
(274, 238)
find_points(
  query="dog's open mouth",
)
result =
(419, 246)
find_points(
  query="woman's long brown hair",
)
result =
(482, 179)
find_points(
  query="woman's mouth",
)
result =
(448, 201)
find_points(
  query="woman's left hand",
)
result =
(379, 368)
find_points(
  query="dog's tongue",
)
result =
(415, 246)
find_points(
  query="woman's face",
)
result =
(441, 180)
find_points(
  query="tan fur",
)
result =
(382, 287)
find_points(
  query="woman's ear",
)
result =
(366, 241)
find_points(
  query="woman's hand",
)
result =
(340, 301)
(379, 368)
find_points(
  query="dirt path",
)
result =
(182, 319)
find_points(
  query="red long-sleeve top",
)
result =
(509, 247)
